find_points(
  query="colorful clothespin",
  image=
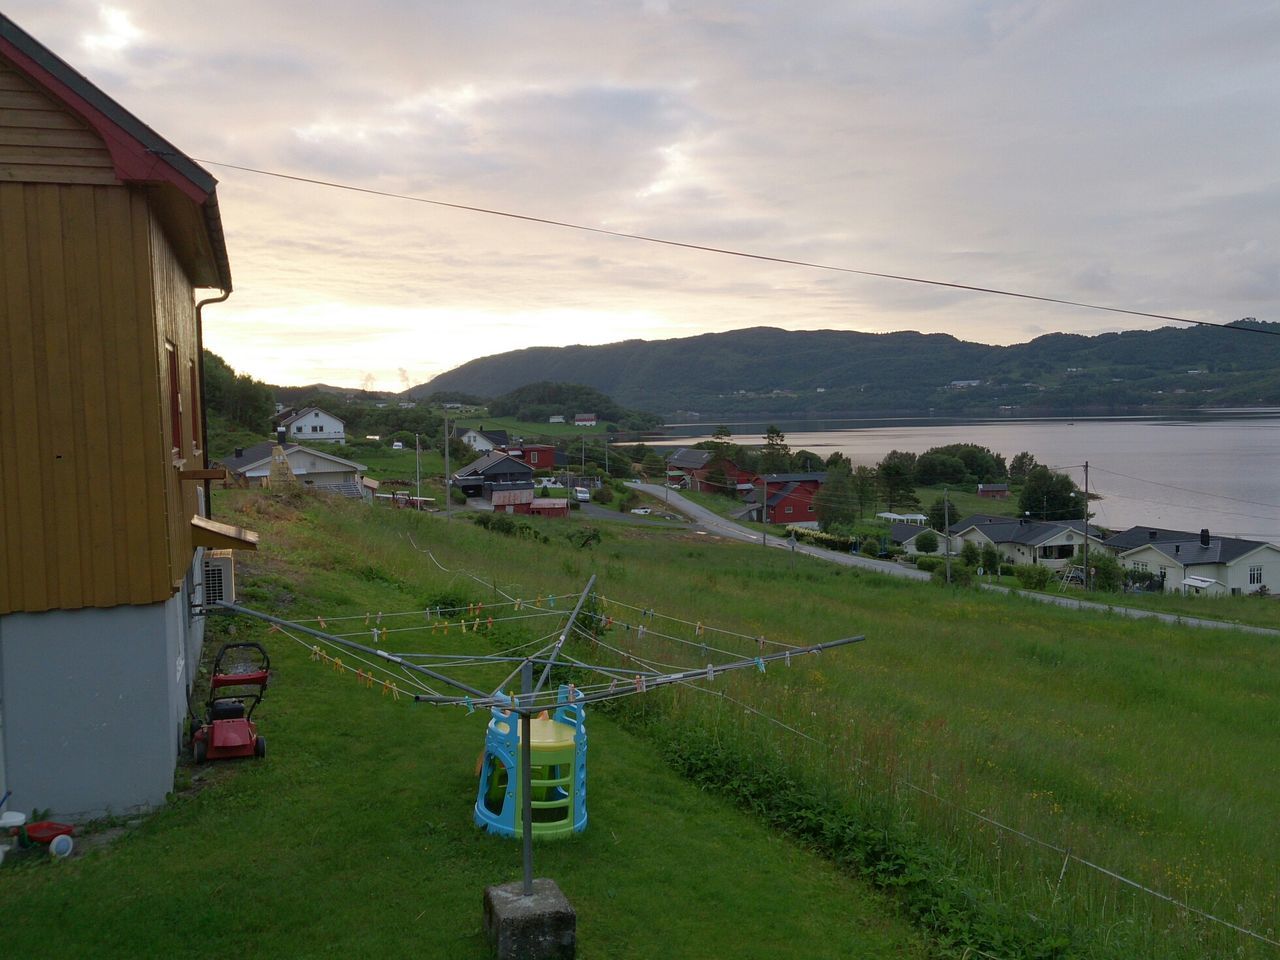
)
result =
(760, 664)
(471, 707)
(489, 625)
(379, 616)
(366, 619)
(337, 665)
(760, 641)
(640, 632)
(787, 658)
(315, 652)
(711, 672)
(320, 620)
(384, 634)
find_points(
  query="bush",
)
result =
(927, 542)
(962, 575)
(930, 564)
(1033, 576)
(970, 554)
(457, 496)
(602, 494)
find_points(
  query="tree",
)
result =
(970, 555)
(652, 464)
(721, 444)
(1105, 572)
(836, 502)
(1020, 466)
(990, 558)
(933, 468)
(865, 485)
(776, 455)
(806, 461)
(897, 473)
(927, 542)
(1050, 496)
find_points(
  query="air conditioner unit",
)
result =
(219, 577)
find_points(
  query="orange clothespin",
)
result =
(320, 620)
(490, 623)
(337, 665)
(384, 634)
(315, 652)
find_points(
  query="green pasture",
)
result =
(1148, 749)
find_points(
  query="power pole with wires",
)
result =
(946, 531)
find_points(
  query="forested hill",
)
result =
(770, 371)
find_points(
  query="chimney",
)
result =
(281, 435)
(239, 452)
(1204, 538)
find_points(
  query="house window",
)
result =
(316, 428)
(175, 397)
(811, 508)
(533, 456)
(788, 509)
(1140, 565)
(196, 438)
(297, 428)
(1255, 575)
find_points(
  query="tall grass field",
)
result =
(981, 776)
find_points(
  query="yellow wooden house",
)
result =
(107, 232)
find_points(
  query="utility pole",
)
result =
(447, 478)
(417, 466)
(1086, 526)
(946, 530)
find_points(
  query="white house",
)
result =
(1199, 564)
(481, 440)
(314, 468)
(905, 535)
(1051, 543)
(313, 424)
(584, 420)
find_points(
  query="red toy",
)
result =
(228, 729)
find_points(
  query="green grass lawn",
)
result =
(354, 837)
(1150, 749)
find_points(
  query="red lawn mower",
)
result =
(239, 679)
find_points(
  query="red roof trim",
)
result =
(132, 161)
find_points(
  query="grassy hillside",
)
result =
(1151, 750)
(766, 371)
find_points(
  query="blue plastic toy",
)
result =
(558, 771)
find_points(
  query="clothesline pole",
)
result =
(526, 771)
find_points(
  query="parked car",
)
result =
(397, 445)
(582, 494)
(643, 511)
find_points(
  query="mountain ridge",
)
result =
(776, 371)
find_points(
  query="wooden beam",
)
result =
(213, 473)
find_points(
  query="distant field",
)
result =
(532, 431)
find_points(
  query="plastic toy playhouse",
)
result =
(558, 772)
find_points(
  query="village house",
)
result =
(108, 231)
(701, 470)
(994, 491)
(788, 498)
(313, 425)
(481, 440)
(1051, 543)
(584, 419)
(477, 478)
(540, 456)
(315, 469)
(905, 535)
(1199, 564)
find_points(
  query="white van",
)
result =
(581, 494)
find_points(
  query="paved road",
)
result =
(715, 523)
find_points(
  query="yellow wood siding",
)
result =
(40, 142)
(92, 512)
(175, 313)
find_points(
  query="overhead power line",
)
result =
(726, 251)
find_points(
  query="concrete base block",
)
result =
(542, 926)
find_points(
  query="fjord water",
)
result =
(1219, 471)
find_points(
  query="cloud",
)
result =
(1077, 150)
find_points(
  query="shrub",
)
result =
(602, 494)
(930, 564)
(457, 496)
(1033, 576)
(962, 575)
(927, 542)
(970, 554)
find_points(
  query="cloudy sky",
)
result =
(1118, 153)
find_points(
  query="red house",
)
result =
(788, 498)
(540, 456)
